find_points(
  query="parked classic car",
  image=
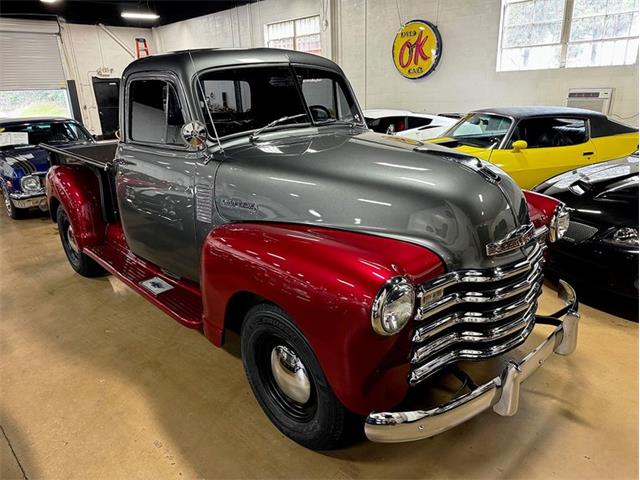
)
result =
(600, 248)
(535, 143)
(247, 193)
(23, 164)
(418, 126)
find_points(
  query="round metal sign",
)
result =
(417, 49)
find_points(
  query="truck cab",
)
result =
(247, 192)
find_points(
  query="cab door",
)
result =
(553, 145)
(155, 176)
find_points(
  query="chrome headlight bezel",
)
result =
(559, 223)
(30, 184)
(396, 289)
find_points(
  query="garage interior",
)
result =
(95, 382)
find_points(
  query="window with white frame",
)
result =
(302, 34)
(541, 34)
(603, 32)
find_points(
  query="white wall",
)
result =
(88, 48)
(239, 27)
(466, 77)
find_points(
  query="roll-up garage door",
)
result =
(30, 61)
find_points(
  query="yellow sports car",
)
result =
(533, 144)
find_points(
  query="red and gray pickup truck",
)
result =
(247, 193)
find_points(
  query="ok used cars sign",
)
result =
(417, 49)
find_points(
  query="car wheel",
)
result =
(287, 380)
(80, 262)
(11, 209)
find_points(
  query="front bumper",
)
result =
(502, 393)
(29, 200)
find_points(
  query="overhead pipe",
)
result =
(115, 38)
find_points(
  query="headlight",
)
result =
(559, 223)
(30, 183)
(393, 306)
(623, 236)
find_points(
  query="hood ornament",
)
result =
(515, 239)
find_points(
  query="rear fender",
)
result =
(76, 188)
(326, 280)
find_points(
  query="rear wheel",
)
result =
(80, 262)
(12, 210)
(287, 380)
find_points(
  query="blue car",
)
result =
(23, 165)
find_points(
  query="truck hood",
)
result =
(468, 149)
(374, 183)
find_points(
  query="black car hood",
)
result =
(603, 195)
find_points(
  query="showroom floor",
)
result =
(96, 382)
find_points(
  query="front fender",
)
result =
(541, 207)
(326, 280)
(76, 188)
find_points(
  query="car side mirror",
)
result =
(519, 145)
(194, 135)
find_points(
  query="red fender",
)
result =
(76, 188)
(326, 280)
(541, 207)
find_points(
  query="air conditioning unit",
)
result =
(597, 99)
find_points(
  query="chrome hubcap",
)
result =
(72, 239)
(290, 374)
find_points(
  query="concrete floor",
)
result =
(98, 383)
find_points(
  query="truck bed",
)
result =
(97, 154)
(97, 157)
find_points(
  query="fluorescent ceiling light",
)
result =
(139, 15)
(48, 1)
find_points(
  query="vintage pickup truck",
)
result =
(247, 193)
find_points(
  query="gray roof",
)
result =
(217, 57)
(540, 111)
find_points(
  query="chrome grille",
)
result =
(475, 314)
(579, 232)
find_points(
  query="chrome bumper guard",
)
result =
(502, 393)
(30, 200)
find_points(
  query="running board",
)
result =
(180, 299)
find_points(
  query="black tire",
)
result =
(10, 208)
(319, 424)
(80, 262)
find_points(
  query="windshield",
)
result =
(54, 133)
(480, 130)
(240, 100)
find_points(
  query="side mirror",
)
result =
(519, 145)
(194, 134)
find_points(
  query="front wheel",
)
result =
(287, 380)
(81, 263)
(13, 211)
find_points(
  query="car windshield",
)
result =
(54, 133)
(480, 130)
(242, 100)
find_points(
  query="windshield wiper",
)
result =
(255, 134)
(333, 121)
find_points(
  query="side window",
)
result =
(155, 115)
(416, 122)
(552, 132)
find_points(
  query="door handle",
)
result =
(586, 154)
